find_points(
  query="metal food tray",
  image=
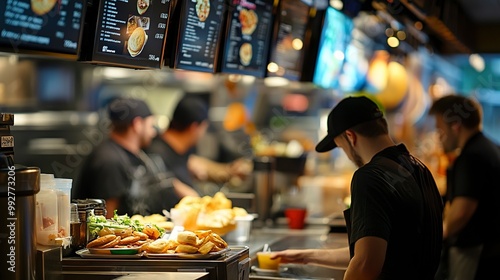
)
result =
(175, 256)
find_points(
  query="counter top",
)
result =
(142, 275)
(281, 238)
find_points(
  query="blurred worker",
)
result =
(176, 147)
(118, 170)
(471, 227)
(394, 222)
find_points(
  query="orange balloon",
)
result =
(236, 117)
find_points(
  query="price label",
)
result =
(7, 141)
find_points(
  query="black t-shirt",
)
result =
(110, 171)
(174, 162)
(394, 197)
(474, 174)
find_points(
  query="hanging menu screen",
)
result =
(288, 43)
(199, 35)
(52, 26)
(131, 32)
(247, 37)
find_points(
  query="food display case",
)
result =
(233, 265)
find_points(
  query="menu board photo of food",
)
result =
(288, 44)
(48, 26)
(131, 33)
(200, 25)
(247, 38)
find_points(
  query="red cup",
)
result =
(296, 217)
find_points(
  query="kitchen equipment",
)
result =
(273, 178)
(263, 187)
(18, 186)
(235, 265)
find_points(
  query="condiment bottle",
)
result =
(46, 211)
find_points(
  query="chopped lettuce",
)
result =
(95, 223)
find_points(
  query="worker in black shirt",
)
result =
(472, 215)
(394, 222)
(176, 148)
(118, 171)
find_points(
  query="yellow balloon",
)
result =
(396, 88)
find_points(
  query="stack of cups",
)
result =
(63, 188)
(46, 211)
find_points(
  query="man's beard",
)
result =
(356, 158)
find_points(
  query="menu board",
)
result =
(288, 42)
(335, 37)
(131, 33)
(49, 26)
(247, 37)
(199, 35)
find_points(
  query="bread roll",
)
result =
(158, 246)
(183, 248)
(187, 237)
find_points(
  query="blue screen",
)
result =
(335, 37)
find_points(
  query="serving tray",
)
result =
(115, 253)
(211, 255)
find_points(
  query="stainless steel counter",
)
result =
(281, 238)
(277, 235)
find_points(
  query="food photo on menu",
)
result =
(42, 7)
(246, 54)
(202, 9)
(137, 27)
(249, 20)
(136, 30)
(142, 6)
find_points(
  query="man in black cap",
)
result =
(176, 147)
(394, 223)
(118, 170)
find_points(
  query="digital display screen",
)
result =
(51, 26)
(131, 33)
(247, 37)
(288, 41)
(199, 35)
(335, 37)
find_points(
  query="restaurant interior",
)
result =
(270, 78)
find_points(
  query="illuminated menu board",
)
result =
(130, 33)
(199, 35)
(48, 26)
(247, 37)
(335, 37)
(288, 41)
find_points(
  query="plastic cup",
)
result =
(296, 217)
(265, 261)
(242, 231)
(63, 187)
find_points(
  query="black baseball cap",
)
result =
(348, 113)
(125, 110)
(190, 109)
